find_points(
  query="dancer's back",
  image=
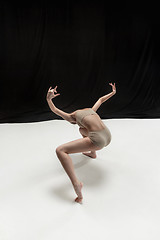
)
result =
(89, 119)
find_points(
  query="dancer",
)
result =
(95, 134)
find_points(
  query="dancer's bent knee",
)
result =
(59, 150)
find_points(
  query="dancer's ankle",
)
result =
(93, 151)
(76, 183)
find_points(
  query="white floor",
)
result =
(121, 186)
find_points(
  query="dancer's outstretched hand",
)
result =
(113, 87)
(50, 93)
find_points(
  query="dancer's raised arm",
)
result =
(104, 98)
(51, 94)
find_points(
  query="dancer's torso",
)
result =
(89, 119)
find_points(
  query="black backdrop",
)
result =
(80, 46)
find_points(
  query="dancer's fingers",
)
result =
(55, 89)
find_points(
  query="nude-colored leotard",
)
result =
(100, 138)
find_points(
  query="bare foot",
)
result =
(77, 188)
(90, 154)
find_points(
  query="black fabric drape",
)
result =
(80, 46)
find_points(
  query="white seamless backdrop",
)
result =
(121, 186)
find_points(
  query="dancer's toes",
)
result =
(78, 200)
(78, 189)
(90, 154)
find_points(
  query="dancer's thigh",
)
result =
(79, 145)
